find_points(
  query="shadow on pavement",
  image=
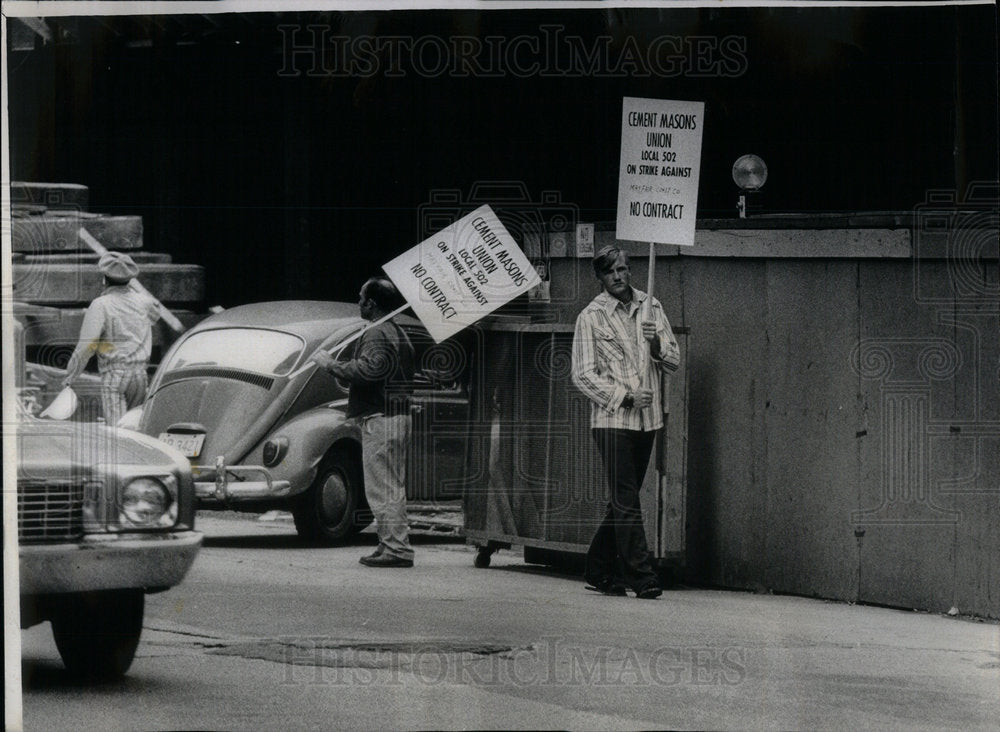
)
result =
(50, 675)
(567, 565)
(557, 572)
(291, 541)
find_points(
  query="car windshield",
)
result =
(248, 349)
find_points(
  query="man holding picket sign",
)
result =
(450, 280)
(623, 346)
(381, 383)
(620, 374)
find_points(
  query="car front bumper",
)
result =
(108, 562)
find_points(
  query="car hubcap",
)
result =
(333, 500)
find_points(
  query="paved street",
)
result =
(266, 634)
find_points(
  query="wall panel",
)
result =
(907, 361)
(810, 427)
(724, 307)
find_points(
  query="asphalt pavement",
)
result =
(265, 633)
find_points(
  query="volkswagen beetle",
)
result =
(263, 429)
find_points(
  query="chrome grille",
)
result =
(49, 511)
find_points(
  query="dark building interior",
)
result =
(292, 153)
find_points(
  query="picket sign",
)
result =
(456, 277)
(168, 317)
(462, 273)
(658, 181)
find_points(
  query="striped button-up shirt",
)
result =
(608, 360)
(118, 326)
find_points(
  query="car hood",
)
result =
(46, 447)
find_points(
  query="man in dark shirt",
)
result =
(381, 380)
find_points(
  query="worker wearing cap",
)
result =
(118, 327)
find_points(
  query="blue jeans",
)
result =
(618, 553)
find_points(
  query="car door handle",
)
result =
(416, 408)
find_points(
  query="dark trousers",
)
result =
(618, 553)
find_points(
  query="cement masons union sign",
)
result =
(658, 171)
(462, 273)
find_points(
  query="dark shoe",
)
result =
(385, 560)
(650, 592)
(376, 553)
(608, 588)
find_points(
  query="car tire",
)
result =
(333, 509)
(97, 633)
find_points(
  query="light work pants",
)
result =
(383, 447)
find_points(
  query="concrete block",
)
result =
(51, 196)
(671, 451)
(73, 283)
(51, 233)
(59, 328)
(968, 242)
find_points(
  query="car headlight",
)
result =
(147, 503)
(274, 451)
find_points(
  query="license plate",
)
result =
(189, 445)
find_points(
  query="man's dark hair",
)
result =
(383, 293)
(605, 259)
